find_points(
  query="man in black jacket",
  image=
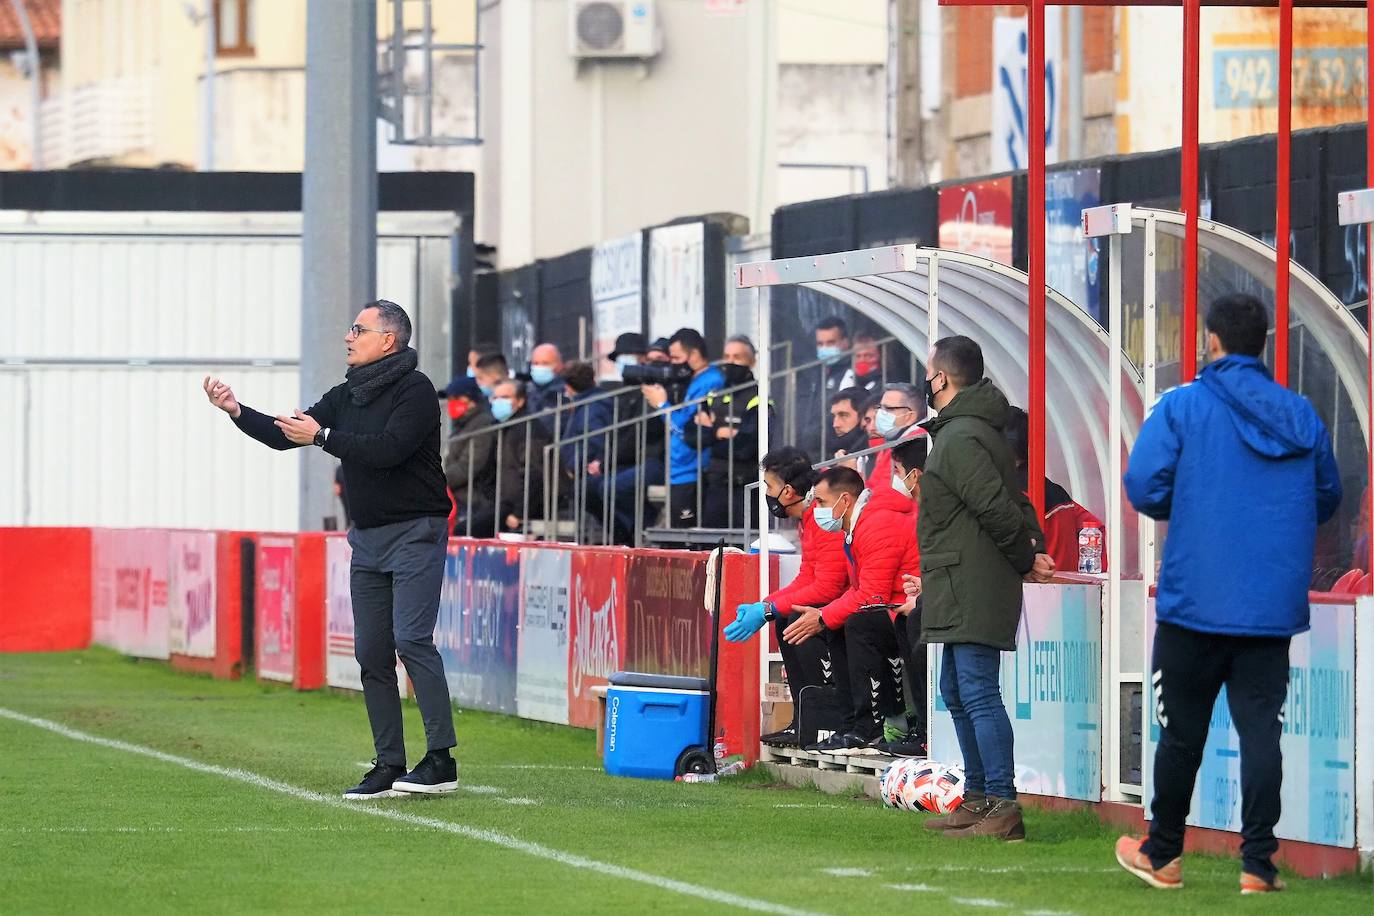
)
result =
(383, 424)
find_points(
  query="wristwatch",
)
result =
(322, 436)
(770, 611)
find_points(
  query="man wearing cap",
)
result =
(623, 465)
(468, 463)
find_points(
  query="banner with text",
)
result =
(596, 630)
(1318, 742)
(541, 674)
(667, 628)
(479, 616)
(617, 281)
(677, 278)
(276, 609)
(1052, 687)
(191, 594)
(129, 570)
(976, 218)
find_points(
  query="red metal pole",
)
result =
(1282, 219)
(1035, 249)
(1188, 187)
(1369, 309)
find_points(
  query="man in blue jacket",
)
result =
(1242, 470)
(686, 459)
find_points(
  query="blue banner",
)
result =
(1052, 688)
(1318, 743)
(1071, 261)
(479, 617)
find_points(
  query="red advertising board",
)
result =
(976, 218)
(276, 609)
(667, 628)
(596, 629)
(129, 583)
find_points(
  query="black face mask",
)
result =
(776, 507)
(931, 392)
(736, 374)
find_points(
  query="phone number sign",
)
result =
(1322, 77)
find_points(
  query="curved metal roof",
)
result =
(986, 300)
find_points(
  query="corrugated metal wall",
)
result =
(112, 321)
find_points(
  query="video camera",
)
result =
(674, 377)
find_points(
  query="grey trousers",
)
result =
(395, 579)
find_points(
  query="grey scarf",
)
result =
(366, 382)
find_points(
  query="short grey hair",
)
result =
(742, 339)
(910, 393)
(393, 318)
(520, 385)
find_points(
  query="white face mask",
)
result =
(900, 485)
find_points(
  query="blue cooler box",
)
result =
(651, 720)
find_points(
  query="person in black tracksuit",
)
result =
(730, 431)
(383, 424)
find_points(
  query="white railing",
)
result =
(105, 120)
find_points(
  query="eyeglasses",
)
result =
(357, 329)
(894, 408)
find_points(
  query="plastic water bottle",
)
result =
(720, 750)
(730, 769)
(1090, 550)
(697, 777)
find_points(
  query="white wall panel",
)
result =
(13, 399)
(143, 447)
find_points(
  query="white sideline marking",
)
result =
(915, 888)
(980, 901)
(848, 872)
(493, 837)
(481, 790)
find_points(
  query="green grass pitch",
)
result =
(90, 827)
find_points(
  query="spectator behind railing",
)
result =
(489, 369)
(519, 496)
(585, 413)
(686, 460)
(546, 385)
(479, 350)
(733, 444)
(469, 460)
(847, 406)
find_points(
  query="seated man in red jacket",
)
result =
(1064, 518)
(824, 575)
(880, 544)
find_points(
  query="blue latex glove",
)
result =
(748, 621)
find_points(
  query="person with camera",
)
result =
(689, 377)
(731, 424)
(636, 449)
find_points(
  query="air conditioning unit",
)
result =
(613, 28)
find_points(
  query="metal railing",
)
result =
(630, 500)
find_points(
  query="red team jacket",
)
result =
(824, 573)
(882, 548)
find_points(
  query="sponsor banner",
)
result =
(976, 218)
(129, 587)
(1009, 92)
(276, 609)
(341, 667)
(191, 593)
(596, 630)
(479, 615)
(1318, 743)
(1051, 686)
(617, 279)
(541, 672)
(1071, 261)
(677, 269)
(668, 630)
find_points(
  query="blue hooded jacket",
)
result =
(1241, 468)
(688, 460)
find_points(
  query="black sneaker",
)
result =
(436, 774)
(785, 738)
(848, 743)
(912, 744)
(377, 783)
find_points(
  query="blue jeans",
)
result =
(971, 687)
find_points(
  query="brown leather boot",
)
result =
(1001, 819)
(969, 812)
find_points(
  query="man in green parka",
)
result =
(980, 539)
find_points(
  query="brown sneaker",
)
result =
(1254, 884)
(1168, 878)
(1001, 819)
(967, 814)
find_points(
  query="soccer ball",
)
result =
(948, 791)
(891, 781)
(922, 790)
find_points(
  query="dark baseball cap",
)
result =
(629, 342)
(463, 387)
(660, 344)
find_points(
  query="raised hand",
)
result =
(222, 396)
